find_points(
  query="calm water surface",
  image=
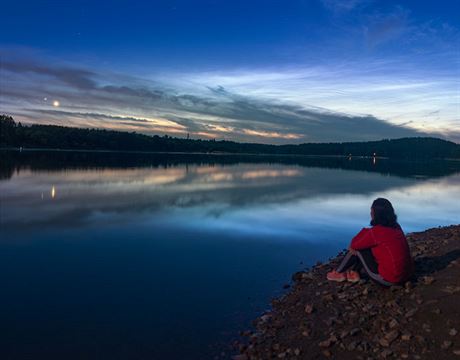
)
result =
(124, 256)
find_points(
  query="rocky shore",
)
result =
(318, 319)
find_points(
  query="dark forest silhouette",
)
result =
(15, 135)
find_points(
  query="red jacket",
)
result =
(390, 249)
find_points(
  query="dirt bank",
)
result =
(318, 319)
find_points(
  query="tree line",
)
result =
(16, 135)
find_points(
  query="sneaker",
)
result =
(336, 276)
(353, 276)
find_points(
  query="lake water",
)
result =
(141, 256)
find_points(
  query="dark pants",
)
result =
(364, 259)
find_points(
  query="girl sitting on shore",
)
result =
(381, 251)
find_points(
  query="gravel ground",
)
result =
(318, 319)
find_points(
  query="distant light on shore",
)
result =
(56, 103)
(53, 192)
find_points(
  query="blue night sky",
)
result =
(260, 71)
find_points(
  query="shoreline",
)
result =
(16, 149)
(318, 319)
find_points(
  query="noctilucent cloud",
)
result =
(260, 71)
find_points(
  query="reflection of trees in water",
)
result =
(63, 160)
(7, 167)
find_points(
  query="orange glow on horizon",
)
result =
(271, 134)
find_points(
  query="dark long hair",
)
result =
(384, 214)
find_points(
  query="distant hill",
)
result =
(14, 135)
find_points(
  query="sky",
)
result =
(255, 71)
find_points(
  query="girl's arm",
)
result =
(363, 240)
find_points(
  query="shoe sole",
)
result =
(353, 280)
(337, 280)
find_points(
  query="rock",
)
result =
(327, 353)
(352, 346)
(302, 276)
(410, 313)
(390, 303)
(453, 332)
(365, 346)
(420, 339)
(389, 338)
(264, 318)
(240, 357)
(456, 352)
(406, 336)
(309, 308)
(307, 276)
(384, 342)
(386, 353)
(328, 342)
(393, 324)
(451, 289)
(392, 335)
(297, 352)
(428, 280)
(242, 347)
(354, 331)
(306, 333)
(446, 344)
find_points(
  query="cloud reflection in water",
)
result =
(273, 201)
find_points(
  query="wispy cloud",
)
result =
(340, 6)
(384, 27)
(398, 91)
(78, 78)
(291, 106)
